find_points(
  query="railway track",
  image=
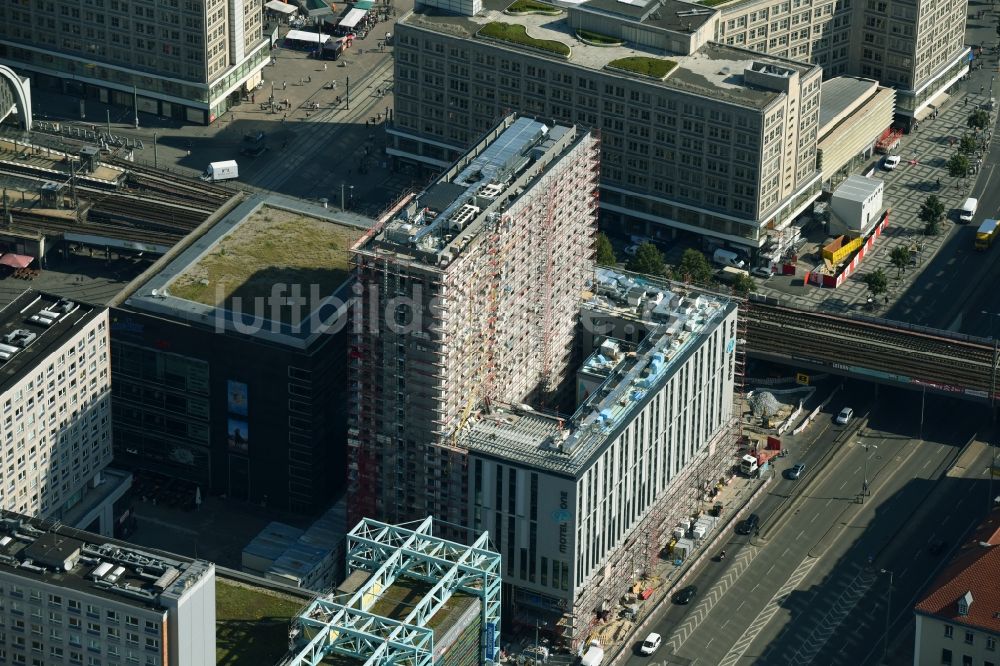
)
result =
(829, 339)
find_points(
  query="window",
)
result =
(966, 660)
(946, 657)
(949, 631)
(969, 638)
(991, 643)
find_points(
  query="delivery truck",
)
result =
(727, 258)
(218, 171)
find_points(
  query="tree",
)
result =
(967, 145)
(979, 119)
(900, 258)
(958, 165)
(744, 284)
(877, 282)
(931, 212)
(648, 259)
(605, 253)
(694, 266)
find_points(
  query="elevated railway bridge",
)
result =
(887, 352)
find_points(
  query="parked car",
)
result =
(845, 416)
(796, 471)
(631, 250)
(890, 162)
(763, 272)
(749, 524)
(651, 644)
(685, 595)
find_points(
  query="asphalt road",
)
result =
(810, 587)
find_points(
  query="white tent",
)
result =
(303, 36)
(352, 18)
(282, 7)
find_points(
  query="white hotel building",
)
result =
(579, 508)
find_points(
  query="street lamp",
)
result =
(888, 610)
(864, 485)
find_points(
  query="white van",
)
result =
(968, 210)
(727, 258)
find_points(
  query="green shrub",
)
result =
(516, 34)
(597, 38)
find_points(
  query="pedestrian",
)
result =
(309, 79)
(324, 66)
(253, 98)
(284, 85)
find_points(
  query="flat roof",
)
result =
(857, 188)
(676, 317)
(267, 245)
(36, 550)
(841, 93)
(715, 70)
(442, 220)
(673, 15)
(34, 325)
(252, 622)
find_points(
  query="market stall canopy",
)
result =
(353, 18)
(283, 7)
(308, 37)
(16, 260)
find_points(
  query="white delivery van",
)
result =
(593, 656)
(217, 171)
(727, 258)
(968, 210)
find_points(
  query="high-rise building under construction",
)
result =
(469, 297)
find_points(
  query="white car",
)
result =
(763, 272)
(651, 644)
(631, 250)
(890, 162)
(845, 416)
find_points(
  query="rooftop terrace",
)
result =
(676, 317)
(715, 70)
(251, 624)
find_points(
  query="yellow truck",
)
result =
(986, 234)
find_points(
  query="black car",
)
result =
(748, 525)
(685, 595)
(936, 547)
(254, 150)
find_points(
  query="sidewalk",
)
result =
(925, 153)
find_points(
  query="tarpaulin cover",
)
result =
(16, 260)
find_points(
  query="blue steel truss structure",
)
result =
(391, 552)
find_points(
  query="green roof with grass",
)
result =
(654, 68)
(271, 246)
(251, 624)
(516, 34)
(533, 7)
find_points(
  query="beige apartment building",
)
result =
(915, 46)
(184, 59)
(720, 141)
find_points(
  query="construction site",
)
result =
(410, 597)
(595, 496)
(469, 298)
(499, 382)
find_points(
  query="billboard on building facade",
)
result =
(236, 398)
(238, 435)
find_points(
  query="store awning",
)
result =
(16, 260)
(352, 18)
(281, 7)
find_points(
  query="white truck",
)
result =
(593, 656)
(968, 209)
(217, 171)
(727, 258)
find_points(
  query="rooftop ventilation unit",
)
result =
(115, 574)
(101, 571)
(7, 351)
(464, 215)
(20, 338)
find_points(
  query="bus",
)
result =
(986, 234)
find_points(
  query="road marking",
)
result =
(801, 532)
(701, 611)
(769, 611)
(842, 485)
(769, 570)
(815, 516)
(826, 626)
(829, 501)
